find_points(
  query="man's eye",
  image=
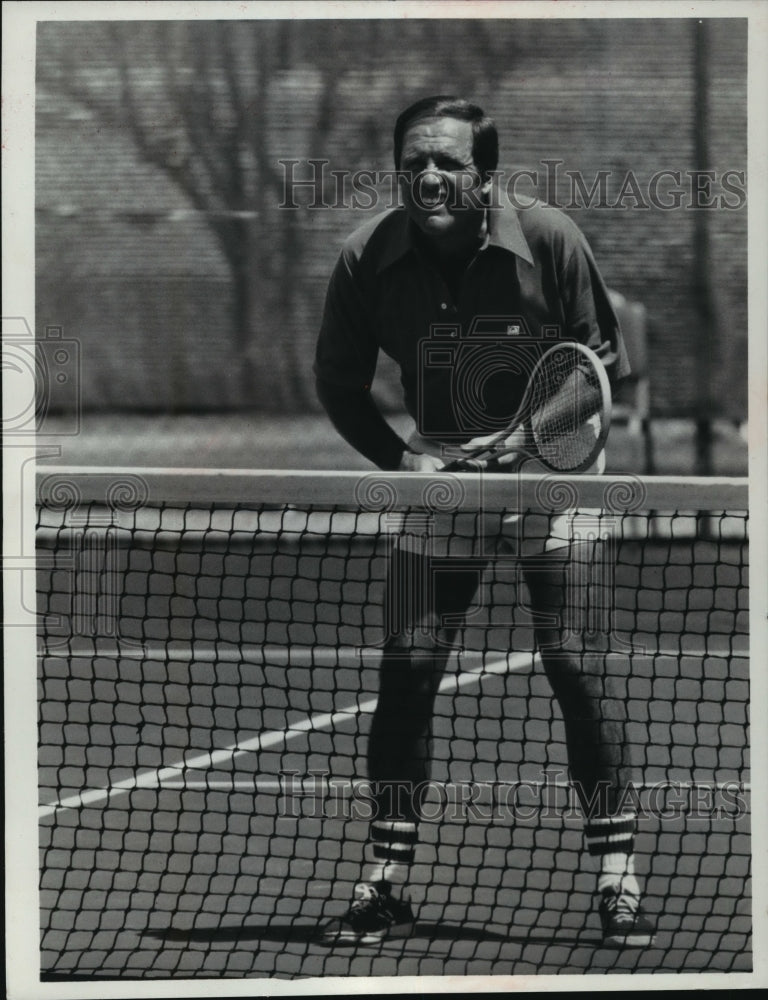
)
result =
(449, 165)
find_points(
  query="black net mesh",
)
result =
(207, 674)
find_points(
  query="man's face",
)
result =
(441, 186)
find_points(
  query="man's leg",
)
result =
(399, 749)
(573, 584)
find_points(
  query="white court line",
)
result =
(207, 761)
(344, 786)
(313, 655)
(208, 653)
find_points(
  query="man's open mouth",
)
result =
(430, 191)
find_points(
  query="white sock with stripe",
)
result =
(618, 870)
(611, 838)
(390, 852)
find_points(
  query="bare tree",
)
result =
(198, 101)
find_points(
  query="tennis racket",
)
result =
(565, 414)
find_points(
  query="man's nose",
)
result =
(431, 182)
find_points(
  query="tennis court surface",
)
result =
(208, 666)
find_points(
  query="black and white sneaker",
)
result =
(373, 915)
(624, 923)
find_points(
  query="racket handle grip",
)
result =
(468, 464)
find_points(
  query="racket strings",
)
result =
(564, 418)
(565, 408)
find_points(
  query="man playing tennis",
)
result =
(458, 250)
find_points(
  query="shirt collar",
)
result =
(400, 240)
(505, 228)
(504, 224)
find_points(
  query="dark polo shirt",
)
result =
(464, 343)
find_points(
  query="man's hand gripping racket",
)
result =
(562, 422)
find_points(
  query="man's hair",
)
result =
(485, 138)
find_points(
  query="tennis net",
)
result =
(209, 647)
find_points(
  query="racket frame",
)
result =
(490, 449)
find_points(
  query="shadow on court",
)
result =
(307, 933)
